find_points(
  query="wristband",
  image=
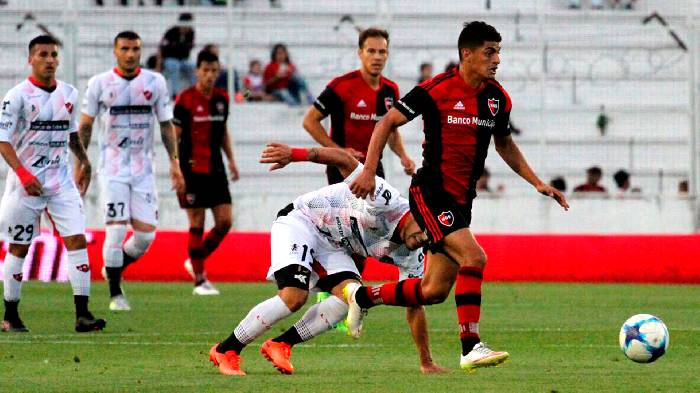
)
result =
(300, 154)
(24, 175)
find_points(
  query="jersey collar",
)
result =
(118, 72)
(40, 85)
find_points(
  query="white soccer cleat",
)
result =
(482, 356)
(119, 303)
(188, 267)
(355, 313)
(205, 289)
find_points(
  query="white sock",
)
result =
(321, 317)
(261, 318)
(138, 243)
(12, 277)
(79, 271)
(112, 247)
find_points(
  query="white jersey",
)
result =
(127, 110)
(363, 226)
(36, 122)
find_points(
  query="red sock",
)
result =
(195, 248)
(468, 300)
(403, 293)
(212, 241)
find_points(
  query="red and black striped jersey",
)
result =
(458, 122)
(355, 107)
(203, 123)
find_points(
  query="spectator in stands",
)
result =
(451, 65)
(602, 121)
(282, 79)
(222, 80)
(482, 185)
(174, 54)
(622, 179)
(513, 129)
(593, 176)
(253, 83)
(595, 4)
(426, 72)
(559, 183)
(683, 188)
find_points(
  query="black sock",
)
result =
(11, 310)
(114, 277)
(81, 306)
(362, 299)
(230, 344)
(128, 260)
(291, 337)
(468, 344)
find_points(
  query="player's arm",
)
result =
(364, 183)
(9, 117)
(511, 154)
(227, 147)
(396, 145)
(83, 171)
(280, 155)
(85, 129)
(167, 134)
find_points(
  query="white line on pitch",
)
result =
(174, 343)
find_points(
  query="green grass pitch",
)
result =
(561, 337)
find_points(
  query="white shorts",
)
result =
(21, 213)
(125, 201)
(413, 266)
(295, 241)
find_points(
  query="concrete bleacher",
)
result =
(558, 71)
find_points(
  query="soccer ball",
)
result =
(644, 338)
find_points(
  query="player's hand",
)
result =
(33, 187)
(278, 154)
(363, 185)
(233, 169)
(357, 154)
(83, 175)
(176, 176)
(409, 167)
(546, 189)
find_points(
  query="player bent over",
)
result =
(128, 100)
(37, 126)
(200, 122)
(313, 241)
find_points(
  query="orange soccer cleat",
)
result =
(229, 363)
(278, 354)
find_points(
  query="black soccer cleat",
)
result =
(88, 323)
(14, 326)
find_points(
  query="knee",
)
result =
(294, 301)
(18, 250)
(476, 258)
(114, 236)
(223, 226)
(434, 294)
(141, 241)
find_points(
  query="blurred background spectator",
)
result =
(683, 188)
(451, 65)
(622, 180)
(253, 83)
(482, 185)
(593, 176)
(282, 79)
(174, 54)
(559, 183)
(425, 72)
(602, 121)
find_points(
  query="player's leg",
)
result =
(12, 289)
(195, 244)
(144, 218)
(116, 202)
(222, 224)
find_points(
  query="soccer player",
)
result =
(356, 101)
(129, 100)
(313, 241)
(38, 125)
(200, 123)
(462, 109)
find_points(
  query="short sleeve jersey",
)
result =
(36, 121)
(458, 122)
(355, 107)
(127, 109)
(203, 123)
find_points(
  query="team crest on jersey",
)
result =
(147, 94)
(493, 106)
(388, 102)
(446, 218)
(69, 107)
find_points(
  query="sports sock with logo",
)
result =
(12, 277)
(79, 271)
(197, 253)
(468, 301)
(403, 293)
(318, 319)
(259, 319)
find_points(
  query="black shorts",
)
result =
(333, 174)
(204, 191)
(436, 212)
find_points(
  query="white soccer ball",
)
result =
(644, 338)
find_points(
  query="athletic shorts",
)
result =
(124, 201)
(21, 213)
(294, 240)
(436, 212)
(204, 191)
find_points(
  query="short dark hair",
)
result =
(372, 32)
(127, 35)
(208, 56)
(474, 34)
(559, 183)
(43, 39)
(185, 17)
(594, 170)
(423, 66)
(621, 177)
